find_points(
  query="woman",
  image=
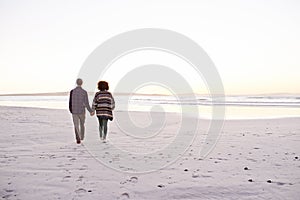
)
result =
(103, 103)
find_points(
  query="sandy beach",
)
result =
(39, 159)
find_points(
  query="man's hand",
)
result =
(92, 113)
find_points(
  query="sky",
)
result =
(255, 45)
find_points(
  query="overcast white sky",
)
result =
(255, 44)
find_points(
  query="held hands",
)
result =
(92, 113)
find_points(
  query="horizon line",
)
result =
(145, 94)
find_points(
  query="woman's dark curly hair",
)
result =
(103, 85)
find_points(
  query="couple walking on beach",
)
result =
(103, 104)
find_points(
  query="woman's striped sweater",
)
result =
(104, 103)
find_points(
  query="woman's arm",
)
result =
(94, 104)
(112, 103)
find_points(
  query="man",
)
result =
(78, 101)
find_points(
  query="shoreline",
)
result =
(175, 113)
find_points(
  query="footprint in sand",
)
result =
(125, 195)
(83, 167)
(195, 175)
(80, 190)
(133, 179)
(10, 193)
(52, 156)
(66, 178)
(8, 190)
(6, 196)
(80, 178)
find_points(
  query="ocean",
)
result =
(237, 107)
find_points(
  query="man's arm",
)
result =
(70, 101)
(86, 102)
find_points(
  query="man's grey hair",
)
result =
(79, 81)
